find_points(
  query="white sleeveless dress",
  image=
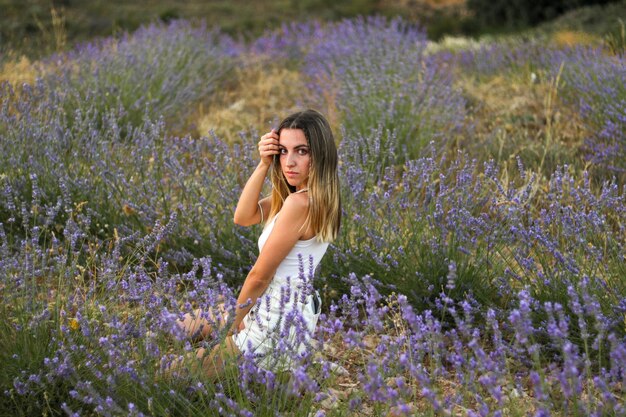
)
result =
(285, 316)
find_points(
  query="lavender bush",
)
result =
(596, 83)
(426, 227)
(375, 73)
(107, 324)
(130, 182)
(498, 57)
(441, 224)
(409, 365)
(159, 70)
(289, 44)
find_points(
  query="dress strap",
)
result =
(261, 209)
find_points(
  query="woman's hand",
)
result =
(268, 147)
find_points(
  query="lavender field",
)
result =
(480, 269)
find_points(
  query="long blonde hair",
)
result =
(324, 215)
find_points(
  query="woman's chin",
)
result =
(295, 182)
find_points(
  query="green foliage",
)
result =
(25, 341)
(601, 20)
(522, 13)
(28, 27)
(443, 24)
(616, 39)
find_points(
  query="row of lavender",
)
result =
(89, 169)
(98, 340)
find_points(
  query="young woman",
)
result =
(301, 217)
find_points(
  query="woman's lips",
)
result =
(291, 173)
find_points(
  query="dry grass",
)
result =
(573, 38)
(522, 115)
(18, 70)
(257, 98)
(501, 97)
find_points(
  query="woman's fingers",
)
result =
(268, 148)
(268, 145)
(271, 137)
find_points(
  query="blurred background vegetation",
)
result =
(38, 27)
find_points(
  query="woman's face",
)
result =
(295, 157)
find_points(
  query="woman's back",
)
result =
(303, 258)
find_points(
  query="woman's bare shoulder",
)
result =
(294, 213)
(296, 202)
(295, 207)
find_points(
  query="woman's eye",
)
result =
(300, 152)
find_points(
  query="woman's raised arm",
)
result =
(247, 212)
